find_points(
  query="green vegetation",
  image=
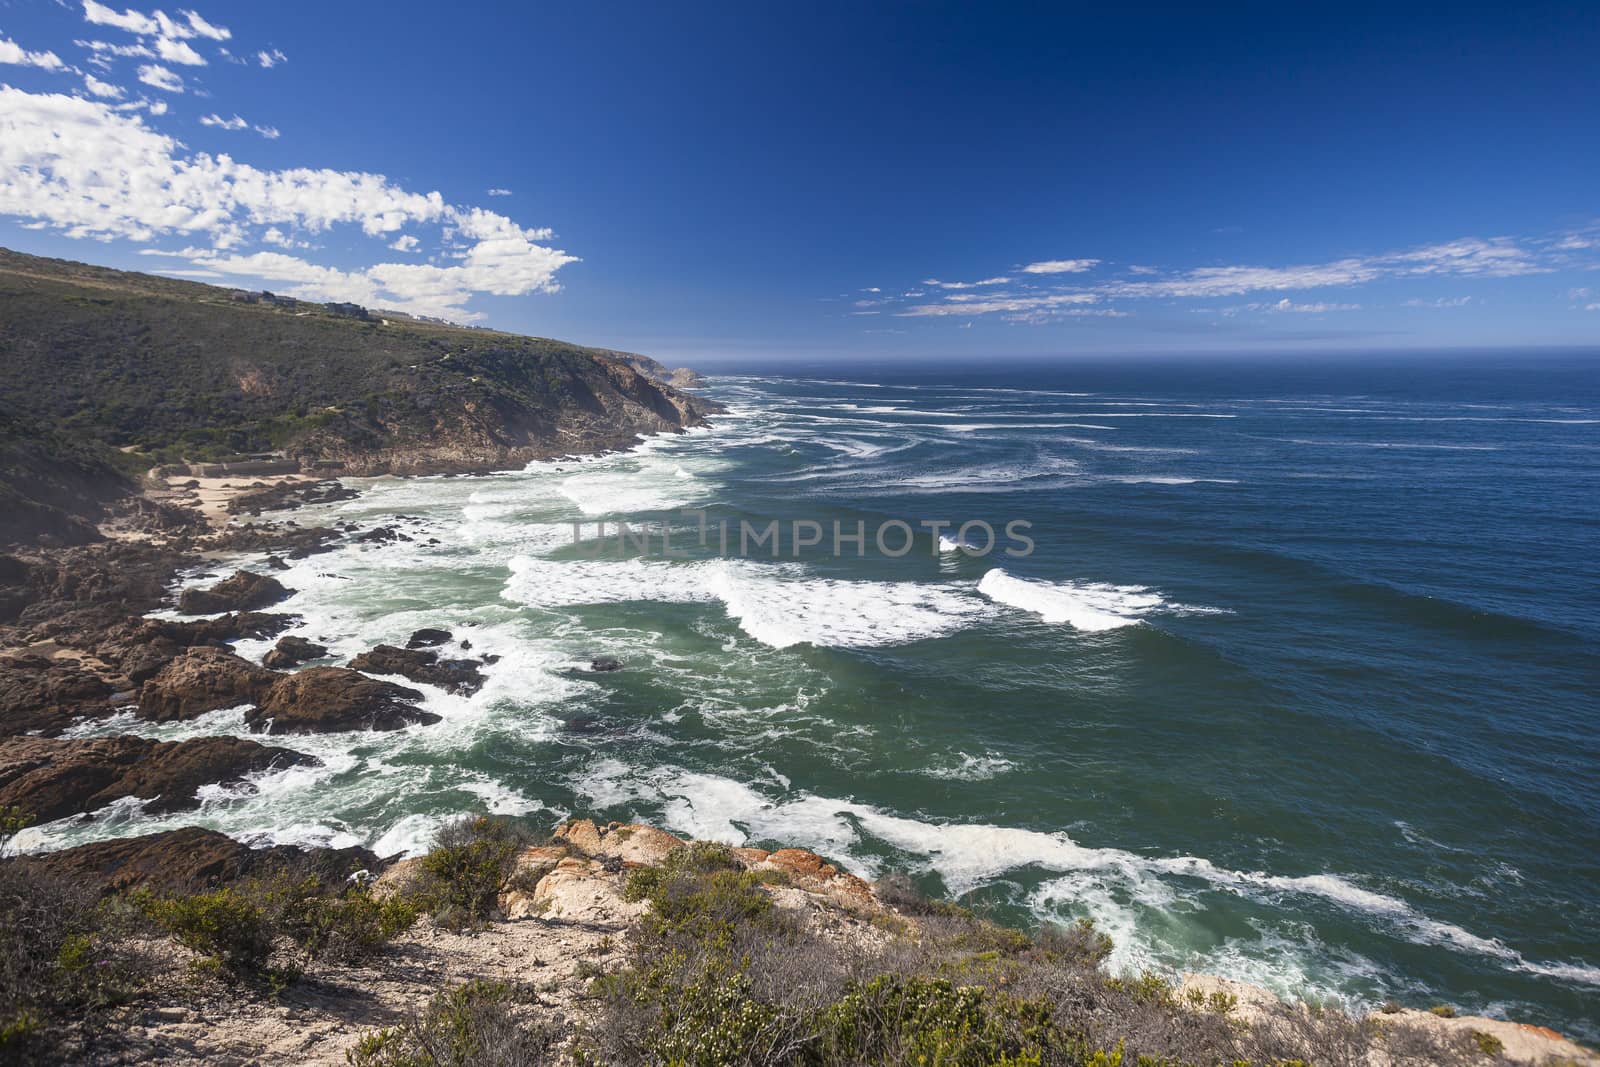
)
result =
(474, 1024)
(470, 865)
(125, 371)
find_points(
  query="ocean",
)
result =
(1297, 684)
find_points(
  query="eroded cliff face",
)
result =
(123, 372)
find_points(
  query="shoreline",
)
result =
(210, 503)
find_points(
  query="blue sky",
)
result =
(748, 181)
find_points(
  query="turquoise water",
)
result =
(1298, 684)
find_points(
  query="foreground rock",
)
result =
(428, 637)
(200, 680)
(291, 652)
(51, 778)
(42, 695)
(460, 676)
(322, 700)
(242, 591)
(192, 858)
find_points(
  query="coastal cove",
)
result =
(1185, 715)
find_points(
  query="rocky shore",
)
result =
(77, 645)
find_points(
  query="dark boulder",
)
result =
(51, 778)
(605, 663)
(428, 637)
(422, 665)
(243, 591)
(200, 680)
(291, 652)
(190, 859)
(41, 695)
(331, 699)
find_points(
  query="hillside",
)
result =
(106, 371)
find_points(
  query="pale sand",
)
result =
(211, 496)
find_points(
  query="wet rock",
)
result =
(333, 699)
(42, 695)
(277, 563)
(52, 778)
(200, 680)
(143, 646)
(459, 676)
(181, 861)
(428, 637)
(244, 591)
(605, 663)
(291, 652)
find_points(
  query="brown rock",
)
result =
(422, 665)
(291, 652)
(192, 858)
(52, 778)
(200, 680)
(631, 843)
(44, 695)
(243, 591)
(330, 699)
(428, 637)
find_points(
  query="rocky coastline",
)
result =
(77, 645)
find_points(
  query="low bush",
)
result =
(474, 1025)
(470, 864)
(64, 960)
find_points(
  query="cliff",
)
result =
(120, 372)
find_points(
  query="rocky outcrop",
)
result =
(42, 695)
(291, 652)
(459, 676)
(242, 591)
(287, 496)
(428, 637)
(629, 843)
(52, 778)
(811, 873)
(176, 861)
(200, 680)
(322, 700)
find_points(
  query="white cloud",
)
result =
(13, 53)
(271, 59)
(936, 283)
(100, 88)
(404, 243)
(1289, 306)
(91, 170)
(1591, 307)
(497, 191)
(235, 123)
(130, 20)
(271, 133)
(205, 29)
(1441, 302)
(157, 23)
(969, 304)
(1061, 266)
(160, 78)
(174, 51)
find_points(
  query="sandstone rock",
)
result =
(532, 865)
(332, 699)
(291, 652)
(244, 591)
(42, 695)
(631, 843)
(51, 778)
(810, 872)
(422, 665)
(428, 637)
(200, 680)
(191, 858)
(579, 890)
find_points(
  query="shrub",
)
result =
(1487, 1043)
(1079, 943)
(228, 926)
(475, 1024)
(63, 960)
(471, 863)
(237, 927)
